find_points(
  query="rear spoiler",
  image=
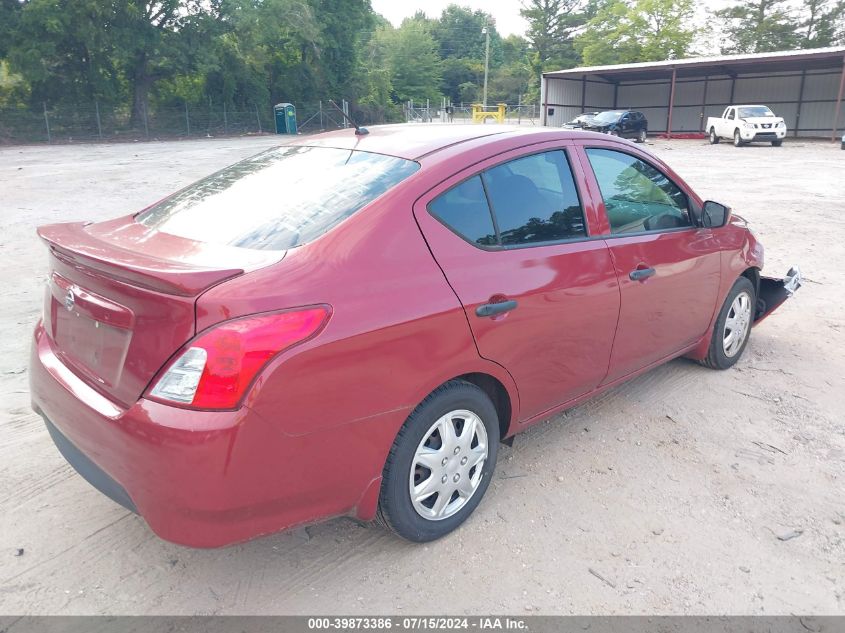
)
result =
(73, 245)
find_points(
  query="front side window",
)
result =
(279, 199)
(637, 196)
(731, 113)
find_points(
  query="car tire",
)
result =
(737, 139)
(466, 409)
(613, 133)
(738, 309)
(641, 136)
(777, 143)
(714, 138)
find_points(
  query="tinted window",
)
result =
(278, 199)
(464, 209)
(730, 113)
(637, 196)
(534, 200)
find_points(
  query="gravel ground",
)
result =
(684, 491)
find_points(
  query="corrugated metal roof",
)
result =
(777, 60)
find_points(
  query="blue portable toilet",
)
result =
(285, 117)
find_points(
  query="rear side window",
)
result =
(637, 196)
(534, 200)
(464, 209)
(530, 200)
(279, 199)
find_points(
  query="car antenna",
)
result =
(359, 131)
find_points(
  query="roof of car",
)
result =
(413, 141)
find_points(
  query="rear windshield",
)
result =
(279, 199)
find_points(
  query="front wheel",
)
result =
(441, 463)
(641, 136)
(777, 143)
(613, 133)
(733, 326)
(737, 139)
(714, 138)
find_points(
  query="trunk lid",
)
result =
(120, 298)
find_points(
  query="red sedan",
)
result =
(350, 324)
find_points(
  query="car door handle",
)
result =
(492, 309)
(641, 274)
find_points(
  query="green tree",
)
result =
(757, 26)
(552, 25)
(410, 54)
(643, 30)
(822, 23)
(458, 34)
(66, 50)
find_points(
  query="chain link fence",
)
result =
(97, 122)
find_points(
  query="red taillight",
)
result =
(216, 368)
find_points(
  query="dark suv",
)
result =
(625, 123)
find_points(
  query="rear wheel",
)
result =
(441, 463)
(737, 139)
(733, 326)
(713, 136)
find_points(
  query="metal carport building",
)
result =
(804, 87)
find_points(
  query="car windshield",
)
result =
(278, 199)
(583, 118)
(754, 111)
(611, 116)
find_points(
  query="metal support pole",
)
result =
(258, 118)
(703, 104)
(583, 93)
(838, 107)
(187, 119)
(486, 32)
(800, 103)
(615, 94)
(225, 120)
(733, 85)
(146, 124)
(671, 106)
(321, 116)
(47, 123)
(544, 91)
(99, 125)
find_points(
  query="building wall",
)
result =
(697, 99)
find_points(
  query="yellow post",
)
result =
(501, 107)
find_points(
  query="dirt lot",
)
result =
(666, 495)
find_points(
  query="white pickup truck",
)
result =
(746, 124)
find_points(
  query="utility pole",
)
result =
(486, 32)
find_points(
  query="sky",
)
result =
(506, 12)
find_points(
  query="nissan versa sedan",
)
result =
(350, 324)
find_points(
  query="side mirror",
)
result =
(714, 215)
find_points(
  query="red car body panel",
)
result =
(310, 439)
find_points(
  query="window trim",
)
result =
(566, 150)
(620, 149)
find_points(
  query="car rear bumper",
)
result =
(201, 478)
